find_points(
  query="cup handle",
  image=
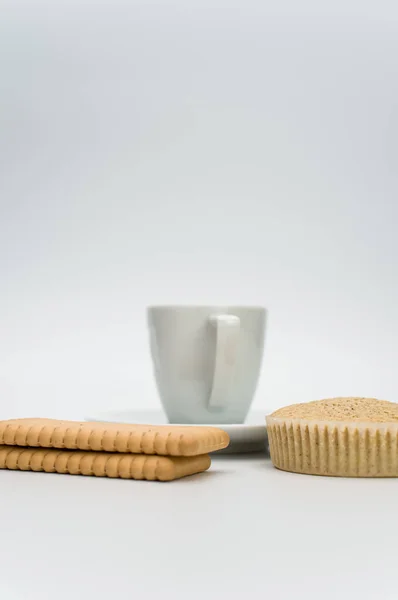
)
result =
(227, 332)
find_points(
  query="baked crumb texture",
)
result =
(346, 437)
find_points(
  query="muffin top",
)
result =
(341, 409)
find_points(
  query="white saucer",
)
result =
(251, 436)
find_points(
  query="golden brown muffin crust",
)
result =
(342, 409)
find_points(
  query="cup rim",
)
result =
(251, 307)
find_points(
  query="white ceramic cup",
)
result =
(206, 360)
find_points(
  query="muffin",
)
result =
(346, 437)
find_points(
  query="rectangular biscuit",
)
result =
(167, 440)
(102, 464)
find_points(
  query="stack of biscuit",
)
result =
(155, 453)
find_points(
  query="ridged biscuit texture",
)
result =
(341, 437)
(102, 464)
(166, 440)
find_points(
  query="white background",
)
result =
(196, 152)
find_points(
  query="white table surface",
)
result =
(243, 528)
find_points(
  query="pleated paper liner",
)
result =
(334, 448)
